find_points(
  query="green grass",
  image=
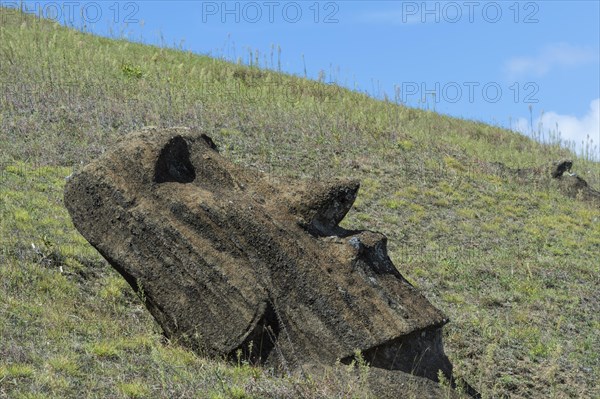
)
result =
(513, 263)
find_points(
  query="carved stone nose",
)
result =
(322, 206)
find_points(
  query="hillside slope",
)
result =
(512, 261)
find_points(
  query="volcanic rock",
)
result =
(233, 262)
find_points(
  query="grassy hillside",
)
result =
(512, 262)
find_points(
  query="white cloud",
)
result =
(572, 129)
(557, 55)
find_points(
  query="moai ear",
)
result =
(173, 164)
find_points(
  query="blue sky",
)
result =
(482, 60)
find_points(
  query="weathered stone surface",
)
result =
(573, 185)
(559, 168)
(556, 176)
(234, 261)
